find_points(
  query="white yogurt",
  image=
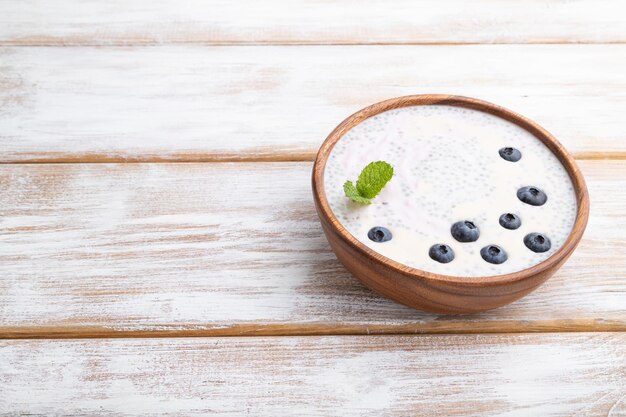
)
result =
(447, 169)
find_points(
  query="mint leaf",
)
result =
(373, 178)
(353, 194)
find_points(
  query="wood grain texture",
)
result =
(235, 248)
(194, 103)
(96, 22)
(474, 375)
(425, 290)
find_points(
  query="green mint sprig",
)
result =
(372, 179)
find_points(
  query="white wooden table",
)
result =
(159, 249)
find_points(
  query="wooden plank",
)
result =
(473, 375)
(97, 22)
(193, 103)
(123, 250)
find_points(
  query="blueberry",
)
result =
(510, 154)
(465, 231)
(441, 253)
(493, 254)
(532, 195)
(379, 234)
(537, 242)
(510, 221)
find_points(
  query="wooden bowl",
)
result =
(426, 290)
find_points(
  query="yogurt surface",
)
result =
(447, 169)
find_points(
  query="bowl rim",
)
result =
(580, 188)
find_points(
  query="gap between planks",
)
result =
(56, 43)
(287, 156)
(252, 330)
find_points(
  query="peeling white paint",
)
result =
(552, 375)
